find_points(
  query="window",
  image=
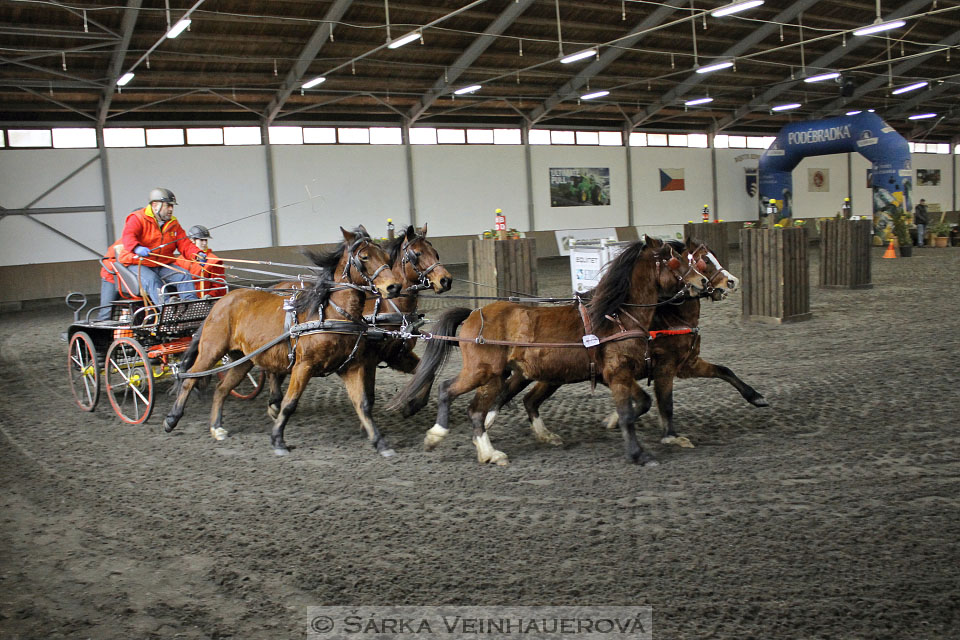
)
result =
(588, 137)
(423, 135)
(164, 137)
(657, 139)
(319, 135)
(353, 135)
(562, 137)
(677, 139)
(721, 141)
(738, 142)
(241, 135)
(638, 139)
(611, 139)
(698, 140)
(74, 138)
(479, 136)
(30, 137)
(759, 142)
(451, 136)
(205, 136)
(942, 147)
(507, 136)
(386, 135)
(285, 135)
(133, 137)
(539, 136)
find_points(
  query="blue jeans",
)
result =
(921, 229)
(153, 278)
(108, 293)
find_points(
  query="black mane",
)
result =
(614, 287)
(393, 247)
(312, 299)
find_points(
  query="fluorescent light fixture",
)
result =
(823, 76)
(579, 55)
(871, 110)
(402, 40)
(922, 116)
(309, 84)
(910, 87)
(785, 107)
(125, 78)
(878, 26)
(691, 103)
(853, 113)
(716, 66)
(595, 94)
(470, 89)
(735, 7)
(179, 28)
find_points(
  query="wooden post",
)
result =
(845, 254)
(713, 234)
(776, 282)
(503, 268)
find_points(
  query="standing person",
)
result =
(150, 237)
(921, 220)
(203, 269)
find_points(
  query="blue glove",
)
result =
(202, 257)
(142, 251)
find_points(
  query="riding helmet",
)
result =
(198, 232)
(162, 195)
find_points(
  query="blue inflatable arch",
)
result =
(866, 133)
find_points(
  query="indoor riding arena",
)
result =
(249, 251)
(830, 514)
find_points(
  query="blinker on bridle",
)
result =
(354, 261)
(408, 256)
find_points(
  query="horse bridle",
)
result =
(674, 264)
(702, 266)
(354, 261)
(408, 256)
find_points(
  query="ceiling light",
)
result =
(691, 103)
(922, 116)
(580, 55)
(470, 89)
(595, 94)
(735, 7)
(853, 113)
(125, 78)
(179, 28)
(878, 26)
(785, 107)
(910, 87)
(407, 39)
(716, 66)
(823, 76)
(309, 84)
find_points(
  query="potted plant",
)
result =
(901, 233)
(942, 231)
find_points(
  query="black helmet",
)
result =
(198, 232)
(162, 195)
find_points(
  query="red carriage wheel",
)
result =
(83, 371)
(249, 388)
(129, 380)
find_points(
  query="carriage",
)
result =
(138, 345)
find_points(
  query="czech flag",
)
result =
(671, 180)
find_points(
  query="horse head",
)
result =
(720, 282)
(420, 262)
(675, 273)
(364, 263)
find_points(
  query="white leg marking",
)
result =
(681, 441)
(491, 416)
(435, 436)
(543, 434)
(219, 433)
(486, 452)
(613, 421)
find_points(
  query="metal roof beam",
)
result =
(468, 57)
(823, 62)
(116, 60)
(292, 80)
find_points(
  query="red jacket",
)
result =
(109, 258)
(212, 269)
(141, 229)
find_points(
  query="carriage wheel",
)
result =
(129, 380)
(84, 372)
(248, 388)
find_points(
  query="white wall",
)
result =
(819, 204)
(941, 194)
(654, 207)
(543, 158)
(733, 200)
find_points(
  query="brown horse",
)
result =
(505, 337)
(418, 265)
(244, 321)
(671, 355)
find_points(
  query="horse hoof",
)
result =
(551, 439)
(388, 453)
(643, 459)
(681, 441)
(169, 424)
(760, 402)
(499, 458)
(434, 436)
(219, 433)
(281, 451)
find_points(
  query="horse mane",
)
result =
(316, 297)
(614, 287)
(392, 247)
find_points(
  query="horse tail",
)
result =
(414, 395)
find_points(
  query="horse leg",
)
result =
(631, 402)
(299, 378)
(204, 362)
(700, 368)
(360, 380)
(275, 384)
(514, 385)
(230, 380)
(483, 399)
(531, 402)
(663, 390)
(449, 390)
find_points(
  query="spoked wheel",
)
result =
(249, 388)
(84, 372)
(129, 380)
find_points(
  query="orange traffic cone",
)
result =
(890, 252)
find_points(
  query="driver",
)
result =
(150, 237)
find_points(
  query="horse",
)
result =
(417, 263)
(245, 320)
(673, 354)
(503, 338)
